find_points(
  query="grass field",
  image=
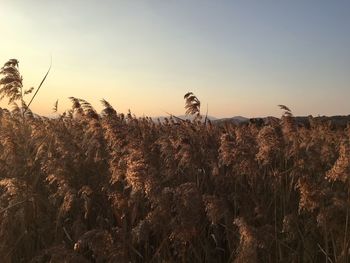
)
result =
(111, 187)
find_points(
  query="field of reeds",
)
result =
(109, 187)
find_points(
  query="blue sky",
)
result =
(239, 57)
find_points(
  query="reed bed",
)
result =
(111, 187)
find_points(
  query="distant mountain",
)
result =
(183, 117)
(301, 120)
(236, 120)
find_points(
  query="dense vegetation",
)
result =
(109, 187)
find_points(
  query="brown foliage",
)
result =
(89, 187)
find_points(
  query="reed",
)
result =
(109, 187)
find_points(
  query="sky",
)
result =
(238, 57)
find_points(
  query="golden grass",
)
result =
(109, 187)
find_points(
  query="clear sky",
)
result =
(239, 57)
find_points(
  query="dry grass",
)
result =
(109, 187)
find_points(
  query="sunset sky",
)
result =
(239, 57)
